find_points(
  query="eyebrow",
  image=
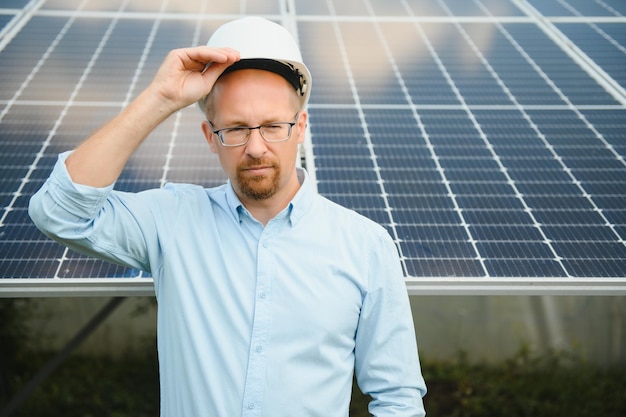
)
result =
(238, 123)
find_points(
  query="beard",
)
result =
(258, 187)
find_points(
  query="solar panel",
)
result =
(488, 137)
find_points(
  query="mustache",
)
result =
(257, 162)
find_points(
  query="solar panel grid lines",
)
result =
(490, 148)
(478, 128)
(556, 156)
(369, 145)
(47, 141)
(429, 146)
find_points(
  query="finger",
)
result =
(205, 55)
(221, 61)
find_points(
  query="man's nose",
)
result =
(256, 145)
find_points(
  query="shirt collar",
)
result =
(298, 206)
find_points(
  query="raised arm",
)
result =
(180, 81)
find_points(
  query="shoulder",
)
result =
(182, 188)
(357, 225)
(183, 191)
(178, 196)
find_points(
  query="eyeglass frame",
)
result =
(218, 132)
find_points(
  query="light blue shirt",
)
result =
(252, 320)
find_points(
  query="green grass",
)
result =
(551, 385)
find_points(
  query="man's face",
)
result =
(258, 170)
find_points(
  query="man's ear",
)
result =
(209, 135)
(302, 121)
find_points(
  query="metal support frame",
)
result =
(141, 287)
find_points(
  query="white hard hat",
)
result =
(263, 44)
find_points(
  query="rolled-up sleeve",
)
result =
(387, 361)
(93, 221)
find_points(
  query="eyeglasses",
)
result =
(270, 132)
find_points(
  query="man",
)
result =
(270, 296)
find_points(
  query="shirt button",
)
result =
(251, 405)
(263, 294)
(259, 348)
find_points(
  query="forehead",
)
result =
(252, 92)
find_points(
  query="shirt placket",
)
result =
(261, 327)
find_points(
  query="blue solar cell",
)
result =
(501, 232)
(444, 268)
(415, 188)
(610, 202)
(580, 233)
(19, 268)
(344, 174)
(407, 162)
(524, 268)
(395, 147)
(78, 266)
(591, 250)
(339, 161)
(496, 217)
(550, 177)
(482, 188)
(613, 268)
(416, 173)
(558, 202)
(417, 215)
(432, 233)
(529, 159)
(550, 190)
(569, 216)
(473, 175)
(514, 250)
(489, 202)
(438, 249)
(432, 202)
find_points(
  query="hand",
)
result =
(186, 75)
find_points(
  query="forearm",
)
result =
(180, 81)
(100, 159)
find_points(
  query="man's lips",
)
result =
(257, 169)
